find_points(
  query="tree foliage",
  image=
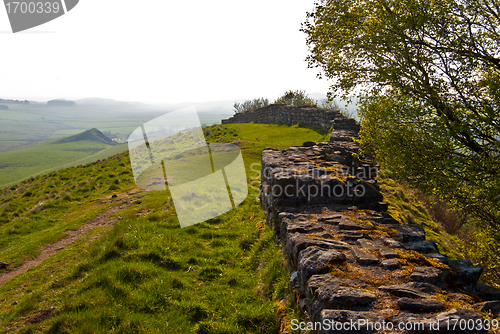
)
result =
(250, 105)
(428, 75)
(295, 98)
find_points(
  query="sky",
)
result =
(161, 51)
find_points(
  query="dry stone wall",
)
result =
(309, 116)
(353, 265)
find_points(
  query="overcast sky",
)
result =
(161, 51)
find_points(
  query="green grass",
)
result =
(145, 274)
(20, 164)
(406, 207)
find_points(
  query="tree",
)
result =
(295, 98)
(428, 77)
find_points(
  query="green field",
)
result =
(17, 165)
(143, 274)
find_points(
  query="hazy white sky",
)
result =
(161, 51)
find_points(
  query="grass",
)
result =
(20, 164)
(406, 206)
(144, 274)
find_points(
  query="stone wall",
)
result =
(351, 262)
(308, 116)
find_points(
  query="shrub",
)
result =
(250, 105)
(295, 98)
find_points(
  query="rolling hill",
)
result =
(92, 135)
(85, 147)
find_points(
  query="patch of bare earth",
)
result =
(101, 219)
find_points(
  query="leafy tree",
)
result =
(428, 77)
(250, 105)
(295, 98)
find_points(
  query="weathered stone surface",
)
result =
(342, 297)
(295, 243)
(330, 218)
(486, 292)
(347, 319)
(464, 273)
(292, 226)
(388, 253)
(429, 275)
(491, 307)
(331, 281)
(314, 260)
(412, 290)
(411, 232)
(364, 258)
(344, 200)
(391, 242)
(440, 257)
(448, 319)
(368, 244)
(308, 143)
(390, 264)
(352, 226)
(420, 305)
(285, 114)
(369, 193)
(353, 236)
(446, 322)
(422, 247)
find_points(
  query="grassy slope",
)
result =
(20, 164)
(144, 274)
(405, 206)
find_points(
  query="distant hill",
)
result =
(61, 103)
(93, 135)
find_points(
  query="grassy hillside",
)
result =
(137, 271)
(26, 125)
(82, 148)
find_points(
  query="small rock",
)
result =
(289, 227)
(391, 242)
(412, 290)
(330, 217)
(367, 244)
(308, 144)
(388, 253)
(114, 196)
(422, 247)
(297, 242)
(353, 236)
(343, 297)
(14, 303)
(314, 260)
(390, 264)
(410, 232)
(351, 226)
(420, 306)
(440, 257)
(331, 221)
(464, 273)
(429, 275)
(364, 258)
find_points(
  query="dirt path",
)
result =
(72, 235)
